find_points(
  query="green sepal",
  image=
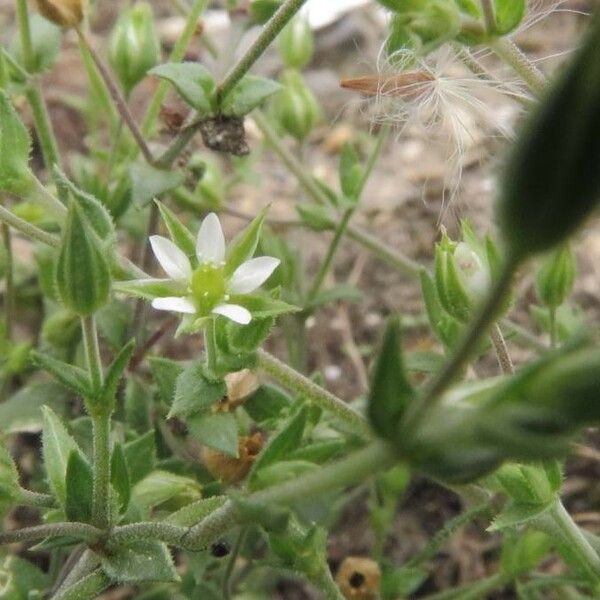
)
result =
(79, 484)
(244, 245)
(150, 288)
(72, 377)
(180, 234)
(390, 392)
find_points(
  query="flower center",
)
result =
(208, 287)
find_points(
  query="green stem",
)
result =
(101, 499)
(176, 56)
(92, 351)
(81, 531)
(471, 591)
(210, 345)
(31, 231)
(571, 541)
(510, 53)
(9, 291)
(227, 582)
(466, 347)
(302, 385)
(269, 32)
(499, 343)
(489, 15)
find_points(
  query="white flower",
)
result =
(208, 289)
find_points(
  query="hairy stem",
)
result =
(511, 54)
(300, 384)
(210, 345)
(92, 351)
(9, 288)
(270, 31)
(29, 498)
(81, 531)
(499, 343)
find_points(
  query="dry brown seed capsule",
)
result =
(231, 470)
(239, 386)
(65, 13)
(359, 578)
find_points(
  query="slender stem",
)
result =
(466, 347)
(81, 531)
(31, 231)
(9, 291)
(29, 498)
(227, 581)
(559, 524)
(117, 98)
(300, 384)
(270, 31)
(371, 243)
(178, 52)
(471, 591)
(169, 156)
(552, 314)
(510, 53)
(100, 499)
(25, 34)
(489, 15)
(504, 360)
(327, 262)
(210, 345)
(92, 351)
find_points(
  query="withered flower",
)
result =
(65, 13)
(232, 470)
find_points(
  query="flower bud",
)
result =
(296, 43)
(556, 276)
(82, 273)
(552, 182)
(359, 578)
(296, 107)
(65, 13)
(134, 46)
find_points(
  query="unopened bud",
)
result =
(296, 43)
(556, 276)
(134, 46)
(296, 107)
(359, 578)
(65, 13)
(82, 275)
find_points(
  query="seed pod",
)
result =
(82, 273)
(359, 578)
(296, 43)
(296, 107)
(65, 13)
(556, 276)
(134, 46)
(552, 182)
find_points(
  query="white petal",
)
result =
(252, 274)
(172, 303)
(210, 244)
(234, 312)
(171, 258)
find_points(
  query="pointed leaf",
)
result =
(140, 456)
(165, 373)
(351, 173)
(390, 391)
(148, 182)
(179, 233)
(195, 392)
(119, 476)
(218, 431)
(248, 94)
(193, 82)
(79, 485)
(140, 562)
(73, 378)
(57, 446)
(115, 372)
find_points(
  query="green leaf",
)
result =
(113, 323)
(15, 147)
(195, 392)
(247, 338)
(218, 431)
(114, 373)
(22, 412)
(138, 404)
(243, 246)
(149, 288)
(160, 486)
(522, 551)
(248, 94)
(148, 182)
(281, 472)
(73, 378)
(271, 517)
(401, 582)
(262, 306)
(9, 482)
(196, 511)
(57, 446)
(20, 578)
(119, 476)
(509, 14)
(516, 514)
(280, 446)
(140, 562)
(179, 233)
(390, 391)
(266, 403)
(140, 456)
(319, 452)
(193, 82)
(79, 485)
(165, 373)
(315, 216)
(350, 172)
